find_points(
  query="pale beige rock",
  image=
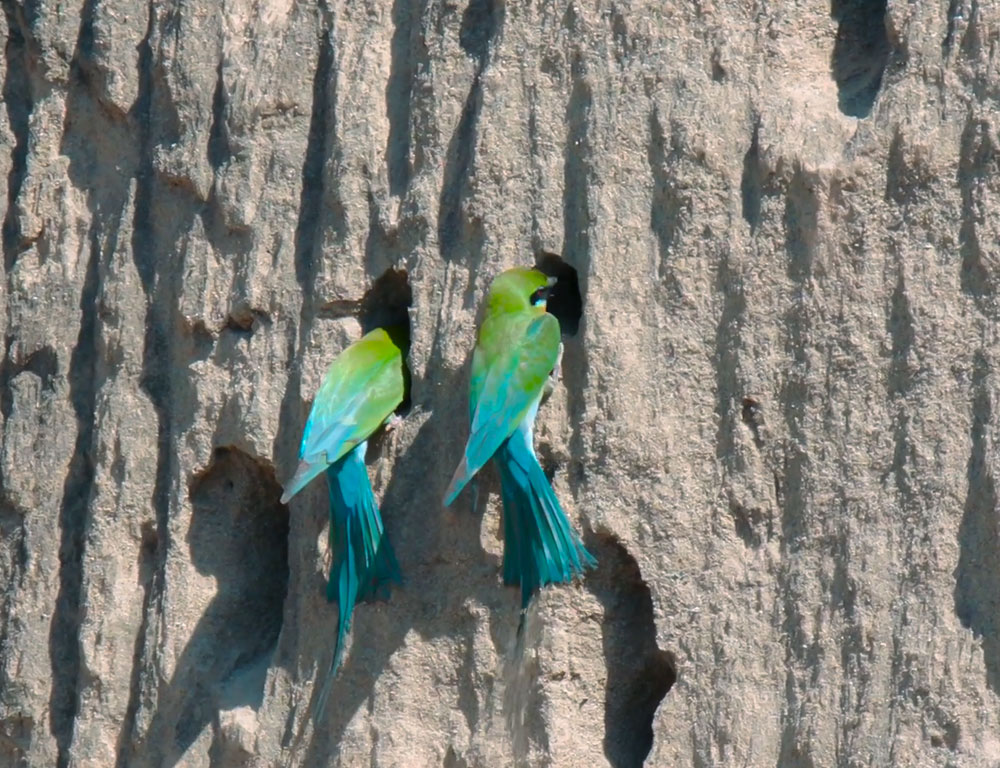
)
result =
(776, 428)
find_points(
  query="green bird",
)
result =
(517, 348)
(361, 391)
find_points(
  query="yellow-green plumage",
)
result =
(516, 350)
(362, 388)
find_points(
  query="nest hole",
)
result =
(565, 300)
(640, 673)
(860, 53)
(387, 305)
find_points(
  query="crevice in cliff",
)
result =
(977, 163)
(85, 36)
(978, 572)
(737, 413)
(577, 169)
(752, 524)
(640, 674)
(309, 229)
(576, 252)
(84, 70)
(974, 39)
(156, 354)
(86, 117)
(530, 90)
(408, 51)
(389, 245)
(227, 234)
(625, 45)
(669, 208)
(64, 636)
(907, 175)
(949, 38)
(856, 653)
(19, 102)
(895, 186)
(728, 341)
(471, 684)
(219, 148)
(481, 21)
(15, 739)
(453, 226)
(141, 113)
(801, 225)
(453, 760)
(239, 534)
(801, 207)
(791, 483)
(457, 231)
(900, 384)
(901, 387)
(523, 695)
(860, 53)
(148, 548)
(227, 238)
(564, 301)
(752, 181)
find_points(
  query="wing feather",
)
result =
(360, 390)
(504, 392)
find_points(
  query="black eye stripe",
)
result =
(539, 295)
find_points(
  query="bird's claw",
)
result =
(554, 374)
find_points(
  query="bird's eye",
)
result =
(539, 296)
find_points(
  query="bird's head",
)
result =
(519, 289)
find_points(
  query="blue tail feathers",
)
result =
(540, 547)
(363, 563)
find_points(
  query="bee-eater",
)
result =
(517, 348)
(361, 391)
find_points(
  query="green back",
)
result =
(361, 389)
(517, 348)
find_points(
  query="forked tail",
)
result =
(540, 547)
(363, 562)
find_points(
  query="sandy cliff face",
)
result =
(777, 424)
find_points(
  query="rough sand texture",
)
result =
(778, 425)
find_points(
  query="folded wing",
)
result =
(503, 396)
(361, 389)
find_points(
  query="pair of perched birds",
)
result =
(516, 350)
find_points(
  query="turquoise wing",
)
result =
(502, 396)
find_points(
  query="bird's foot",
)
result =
(554, 375)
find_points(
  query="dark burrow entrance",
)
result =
(860, 53)
(239, 535)
(565, 301)
(387, 302)
(640, 674)
(387, 305)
